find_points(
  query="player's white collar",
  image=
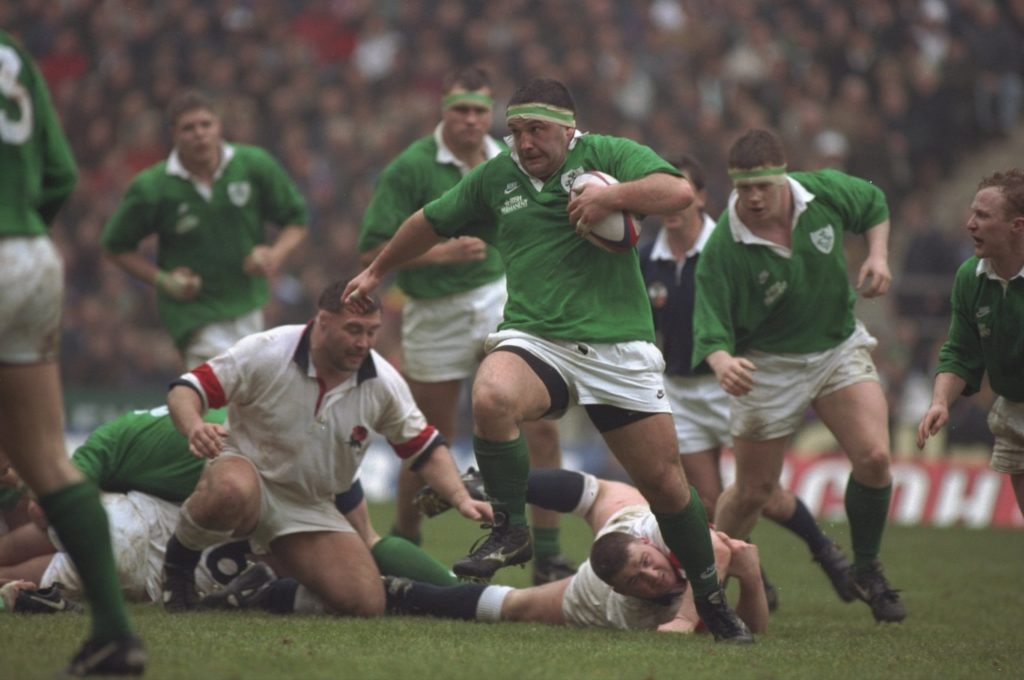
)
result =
(538, 184)
(986, 269)
(176, 168)
(662, 251)
(742, 234)
(445, 156)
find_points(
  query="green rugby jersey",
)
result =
(143, 451)
(560, 286)
(414, 178)
(212, 236)
(986, 332)
(753, 296)
(37, 170)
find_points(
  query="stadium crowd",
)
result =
(895, 91)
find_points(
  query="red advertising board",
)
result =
(935, 492)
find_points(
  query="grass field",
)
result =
(964, 591)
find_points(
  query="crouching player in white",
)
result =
(631, 581)
(140, 526)
(301, 401)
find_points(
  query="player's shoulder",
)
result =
(277, 342)
(251, 155)
(422, 151)
(968, 269)
(380, 369)
(827, 179)
(151, 180)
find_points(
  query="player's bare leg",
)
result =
(542, 439)
(32, 438)
(703, 472)
(506, 392)
(858, 417)
(225, 504)
(648, 450)
(758, 466)
(335, 566)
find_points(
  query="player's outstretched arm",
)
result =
(948, 386)
(415, 237)
(440, 473)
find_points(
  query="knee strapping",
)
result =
(195, 537)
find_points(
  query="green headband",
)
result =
(478, 98)
(738, 175)
(538, 111)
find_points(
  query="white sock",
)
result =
(488, 607)
(308, 602)
(589, 495)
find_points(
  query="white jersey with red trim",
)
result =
(299, 436)
(590, 602)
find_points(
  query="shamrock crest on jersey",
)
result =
(568, 177)
(824, 238)
(239, 193)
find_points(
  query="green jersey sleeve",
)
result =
(463, 210)
(962, 354)
(37, 169)
(59, 172)
(713, 301)
(861, 204)
(282, 202)
(134, 219)
(394, 199)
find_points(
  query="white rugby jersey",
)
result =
(634, 613)
(300, 437)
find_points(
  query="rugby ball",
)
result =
(619, 231)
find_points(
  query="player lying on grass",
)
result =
(142, 455)
(631, 580)
(141, 525)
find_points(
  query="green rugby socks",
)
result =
(505, 467)
(77, 516)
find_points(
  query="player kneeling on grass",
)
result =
(301, 401)
(631, 581)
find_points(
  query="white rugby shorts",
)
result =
(218, 337)
(628, 375)
(31, 297)
(1006, 422)
(285, 510)
(443, 338)
(786, 384)
(700, 411)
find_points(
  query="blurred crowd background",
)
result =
(901, 92)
